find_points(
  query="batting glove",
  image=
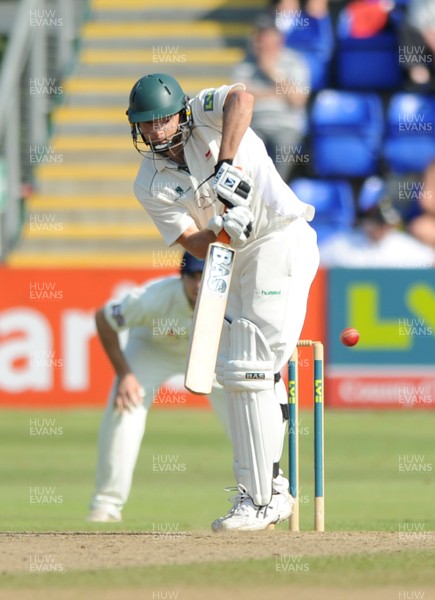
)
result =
(232, 187)
(237, 222)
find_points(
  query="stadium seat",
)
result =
(333, 201)
(409, 143)
(346, 133)
(314, 38)
(369, 63)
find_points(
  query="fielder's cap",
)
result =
(190, 264)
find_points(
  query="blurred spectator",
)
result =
(422, 226)
(308, 29)
(417, 44)
(367, 46)
(280, 82)
(318, 9)
(291, 15)
(376, 242)
(368, 17)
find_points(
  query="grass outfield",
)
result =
(367, 489)
(365, 486)
(391, 569)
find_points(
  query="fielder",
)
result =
(158, 317)
(204, 171)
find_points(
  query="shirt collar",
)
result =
(162, 163)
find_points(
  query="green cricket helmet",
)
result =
(152, 98)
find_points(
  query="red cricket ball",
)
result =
(349, 336)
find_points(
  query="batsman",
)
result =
(206, 172)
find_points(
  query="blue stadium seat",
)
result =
(333, 201)
(409, 143)
(346, 133)
(367, 63)
(314, 38)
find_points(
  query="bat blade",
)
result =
(208, 318)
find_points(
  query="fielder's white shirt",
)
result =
(158, 313)
(176, 199)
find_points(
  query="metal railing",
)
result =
(40, 50)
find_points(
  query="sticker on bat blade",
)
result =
(220, 269)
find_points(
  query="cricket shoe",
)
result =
(104, 515)
(246, 516)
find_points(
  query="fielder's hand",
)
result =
(129, 393)
(232, 187)
(237, 222)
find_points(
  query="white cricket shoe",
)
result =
(104, 515)
(246, 516)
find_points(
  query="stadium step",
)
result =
(147, 34)
(161, 55)
(112, 91)
(86, 255)
(79, 203)
(83, 211)
(40, 228)
(135, 5)
(174, 10)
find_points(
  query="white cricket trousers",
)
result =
(121, 435)
(270, 285)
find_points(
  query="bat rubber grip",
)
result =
(224, 237)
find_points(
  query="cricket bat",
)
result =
(208, 317)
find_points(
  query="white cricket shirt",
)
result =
(158, 313)
(175, 198)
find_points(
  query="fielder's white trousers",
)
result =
(121, 435)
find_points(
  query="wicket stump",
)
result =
(293, 436)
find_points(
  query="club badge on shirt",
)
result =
(117, 315)
(209, 100)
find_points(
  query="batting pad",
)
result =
(222, 359)
(254, 411)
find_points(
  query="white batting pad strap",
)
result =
(254, 411)
(245, 375)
